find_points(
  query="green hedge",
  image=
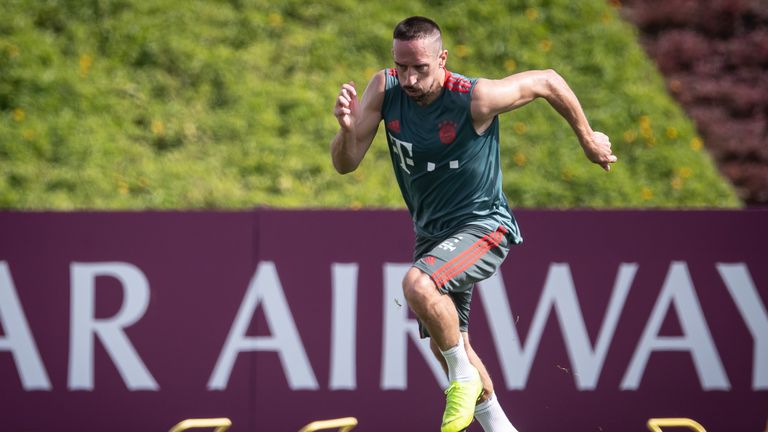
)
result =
(131, 104)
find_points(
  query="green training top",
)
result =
(448, 174)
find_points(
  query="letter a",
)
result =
(678, 292)
(265, 287)
(18, 338)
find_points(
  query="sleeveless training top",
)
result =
(448, 174)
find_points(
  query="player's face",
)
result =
(419, 66)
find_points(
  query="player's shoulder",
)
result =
(375, 90)
(376, 86)
(483, 88)
(457, 83)
(379, 81)
(386, 79)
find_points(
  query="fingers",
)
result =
(605, 154)
(606, 164)
(342, 105)
(347, 94)
(346, 103)
(349, 89)
(608, 160)
(347, 97)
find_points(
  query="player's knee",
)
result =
(417, 286)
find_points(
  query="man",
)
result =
(443, 135)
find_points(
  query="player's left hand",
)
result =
(598, 150)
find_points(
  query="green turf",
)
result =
(131, 104)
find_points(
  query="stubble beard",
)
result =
(422, 96)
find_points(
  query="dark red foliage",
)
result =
(714, 54)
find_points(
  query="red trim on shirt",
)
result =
(455, 83)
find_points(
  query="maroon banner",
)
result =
(598, 322)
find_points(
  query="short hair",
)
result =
(416, 27)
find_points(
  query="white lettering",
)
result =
(343, 331)
(742, 289)
(265, 287)
(84, 326)
(18, 338)
(678, 291)
(400, 147)
(559, 293)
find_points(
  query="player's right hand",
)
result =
(346, 106)
(598, 150)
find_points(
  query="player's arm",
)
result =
(358, 121)
(493, 97)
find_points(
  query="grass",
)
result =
(127, 104)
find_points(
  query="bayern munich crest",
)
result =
(447, 132)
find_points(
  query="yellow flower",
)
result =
(520, 159)
(86, 61)
(646, 193)
(29, 134)
(520, 128)
(545, 45)
(646, 131)
(684, 172)
(531, 13)
(671, 133)
(510, 65)
(158, 127)
(19, 115)
(461, 50)
(630, 136)
(122, 187)
(275, 19)
(696, 143)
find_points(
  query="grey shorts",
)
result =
(470, 255)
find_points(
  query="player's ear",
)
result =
(443, 57)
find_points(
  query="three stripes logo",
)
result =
(468, 257)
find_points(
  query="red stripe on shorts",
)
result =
(467, 258)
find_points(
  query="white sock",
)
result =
(491, 416)
(459, 367)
